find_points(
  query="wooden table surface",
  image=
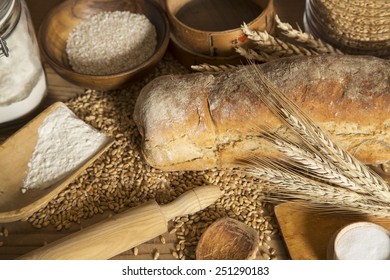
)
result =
(61, 90)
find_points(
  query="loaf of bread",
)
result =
(208, 120)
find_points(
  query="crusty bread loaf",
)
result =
(205, 120)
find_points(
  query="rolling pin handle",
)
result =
(191, 202)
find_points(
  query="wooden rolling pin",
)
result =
(126, 230)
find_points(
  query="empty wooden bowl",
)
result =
(189, 58)
(228, 239)
(60, 21)
(212, 28)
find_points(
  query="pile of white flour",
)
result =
(64, 144)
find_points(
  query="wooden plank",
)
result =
(307, 234)
(22, 236)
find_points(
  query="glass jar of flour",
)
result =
(22, 78)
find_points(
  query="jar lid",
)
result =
(9, 16)
(10, 11)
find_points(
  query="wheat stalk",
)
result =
(280, 183)
(332, 170)
(315, 137)
(251, 54)
(212, 68)
(269, 47)
(305, 38)
(324, 170)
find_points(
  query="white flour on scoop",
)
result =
(64, 144)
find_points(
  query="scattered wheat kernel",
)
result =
(181, 254)
(156, 254)
(162, 239)
(265, 256)
(135, 251)
(174, 254)
(5, 232)
(272, 251)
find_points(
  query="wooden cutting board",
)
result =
(307, 234)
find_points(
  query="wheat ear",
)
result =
(311, 134)
(315, 164)
(305, 38)
(270, 44)
(280, 183)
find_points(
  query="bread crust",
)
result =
(208, 120)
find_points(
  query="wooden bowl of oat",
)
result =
(104, 45)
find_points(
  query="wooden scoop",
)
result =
(126, 230)
(15, 154)
(228, 239)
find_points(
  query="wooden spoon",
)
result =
(228, 239)
(15, 154)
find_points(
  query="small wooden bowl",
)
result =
(216, 43)
(61, 20)
(189, 58)
(228, 239)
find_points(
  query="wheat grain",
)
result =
(174, 254)
(5, 232)
(156, 254)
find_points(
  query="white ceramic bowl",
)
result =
(360, 241)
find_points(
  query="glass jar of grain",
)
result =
(22, 78)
